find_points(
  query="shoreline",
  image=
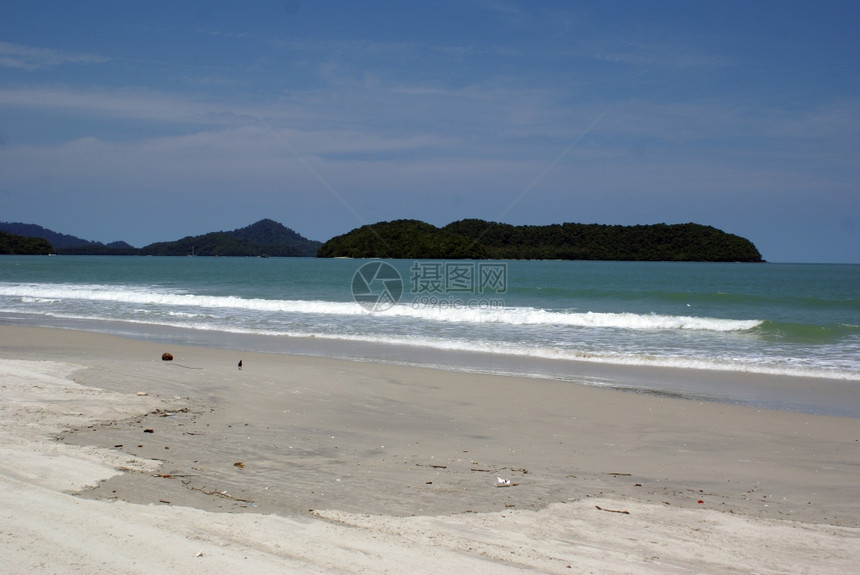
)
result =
(360, 451)
(795, 393)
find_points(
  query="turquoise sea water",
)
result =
(779, 319)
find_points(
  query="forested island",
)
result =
(479, 239)
(56, 241)
(264, 238)
(11, 244)
(414, 239)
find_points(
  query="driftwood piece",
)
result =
(223, 494)
(612, 510)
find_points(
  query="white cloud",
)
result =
(116, 103)
(664, 54)
(32, 58)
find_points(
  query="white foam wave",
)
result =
(542, 352)
(159, 297)
(538, 351)
(28, 299)
(444, 311)
(533, 316)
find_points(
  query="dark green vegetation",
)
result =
(402, 239)
(64, 243)
(265, 238)
(22, 245)
(410, 239)
(479, 239)
(100, 249)
(33, 231)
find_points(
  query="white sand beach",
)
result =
(114, 461)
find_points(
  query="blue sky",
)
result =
(149, 121)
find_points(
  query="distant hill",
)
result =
(66, 244)
(569, 241)
(402, 239)
(23, 245)
(120, 246)
(57, 240)
(264, 238)
(464, 239)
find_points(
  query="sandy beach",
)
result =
(114, 461)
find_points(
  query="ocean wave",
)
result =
(159, 297)
(531, 316)
(804, 333)
(761, 365)
(30, 299)
(444, 311)
(734, 364)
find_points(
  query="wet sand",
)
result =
(315, 465)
